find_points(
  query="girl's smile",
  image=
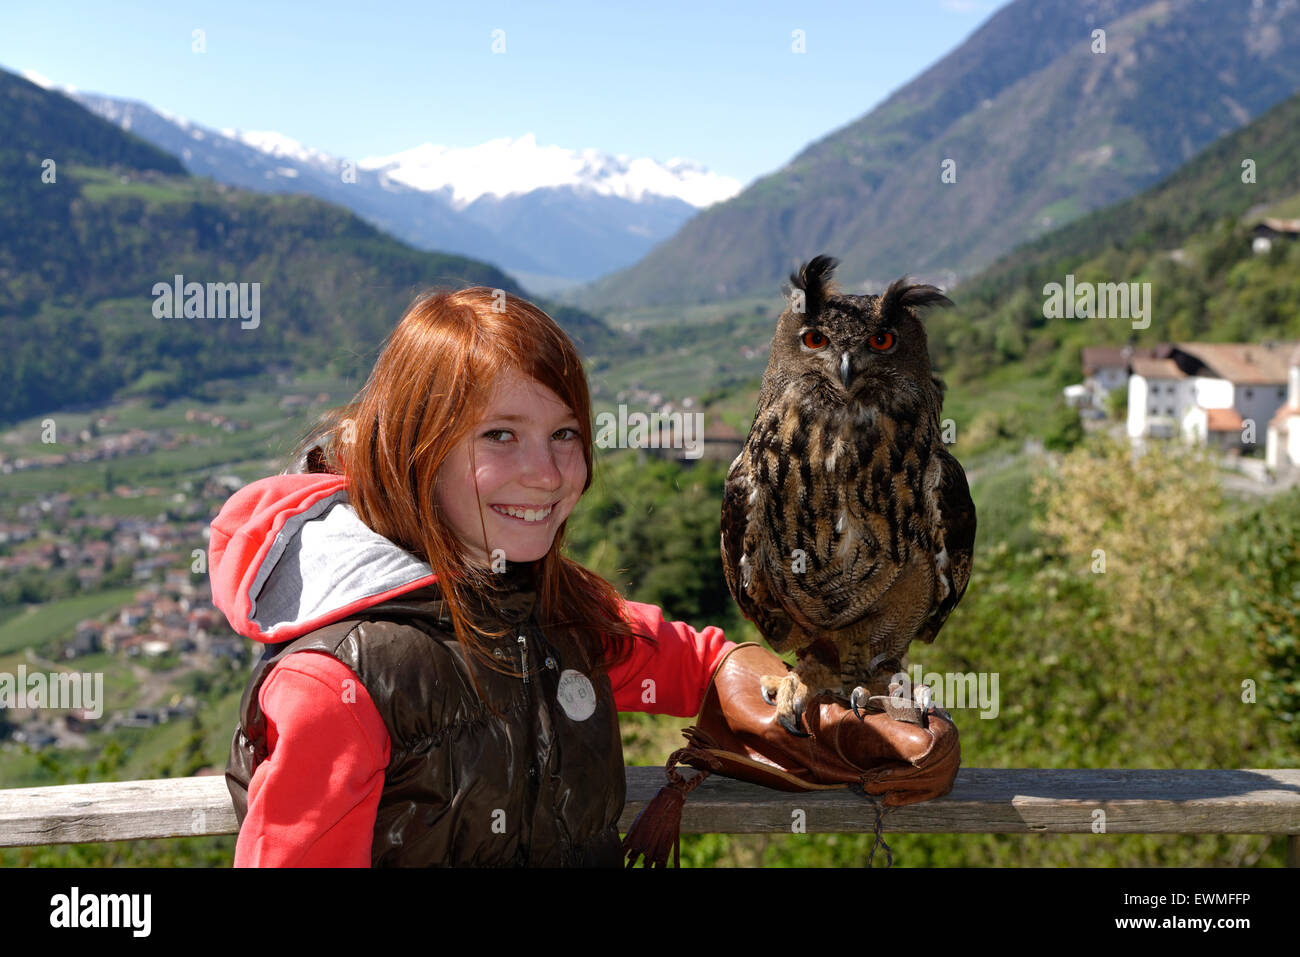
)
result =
(524, 513)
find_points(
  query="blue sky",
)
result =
(713, 82)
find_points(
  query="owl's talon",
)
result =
(800, 702)
(791, 696)
(902, 706)
(792, 724)
(770, 685)
(858, 700)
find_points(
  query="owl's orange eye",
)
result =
(881, 341)
(814, 339)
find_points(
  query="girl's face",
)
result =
(527, 455)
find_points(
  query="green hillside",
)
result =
(81, 252)
(1189, 237)
(1206, 190)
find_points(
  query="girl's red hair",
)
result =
(428, 390)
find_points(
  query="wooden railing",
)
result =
(982, 801)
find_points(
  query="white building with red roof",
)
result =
(1221, 393)
(1282, 450)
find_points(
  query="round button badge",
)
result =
(576, 695)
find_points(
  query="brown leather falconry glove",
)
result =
(899, 752)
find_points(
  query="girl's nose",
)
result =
(541, 468)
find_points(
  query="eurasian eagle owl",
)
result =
(847, 528)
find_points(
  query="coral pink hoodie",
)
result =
(288, 555)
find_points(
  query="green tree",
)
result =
(1265, 546)
(1064, 429)
(1141, 533)
(1117, 403)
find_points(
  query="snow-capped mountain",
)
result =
(551, 216)
(278, 145)
(581, 212)
(514, 167)
(271, 163)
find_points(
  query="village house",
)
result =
(1218, 393)
(132, 615)
(1269, 230)
(14, 532)
(164, 638)
(1158, 392)
(177, 581)
(1282, 449)
(130, 647)
(87, 639)
(114, 635)
(1106, 369)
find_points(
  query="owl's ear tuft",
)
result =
(814, 278)
(904, 295)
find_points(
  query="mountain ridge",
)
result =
(1038, 132)
(612, 209)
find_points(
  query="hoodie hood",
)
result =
(288, 555)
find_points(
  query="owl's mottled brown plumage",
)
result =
(847, 528)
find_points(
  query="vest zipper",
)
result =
(533, 786)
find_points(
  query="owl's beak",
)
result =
(846, 370)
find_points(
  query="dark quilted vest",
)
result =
(532, 787)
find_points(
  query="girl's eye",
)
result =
(881, 341)
(492, 432)
(814, 339)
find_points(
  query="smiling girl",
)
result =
(441, 686)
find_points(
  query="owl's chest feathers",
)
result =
(879, 463)
(856, 485)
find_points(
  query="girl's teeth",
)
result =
(528, 515)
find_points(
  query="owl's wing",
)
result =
(957, 520)
(746, 578)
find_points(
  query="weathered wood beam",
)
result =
(983, 801)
